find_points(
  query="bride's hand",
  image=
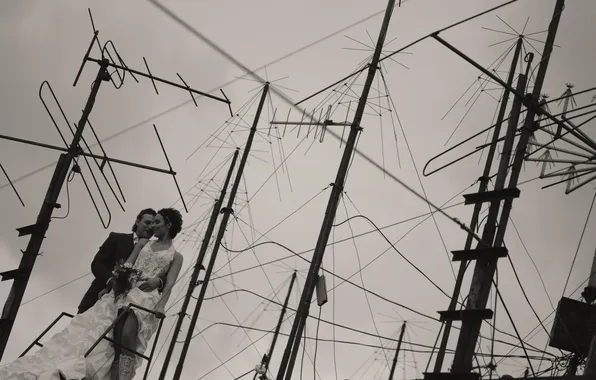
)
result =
(142, 242)
(160, 312)
(103, 293)
(150, 285)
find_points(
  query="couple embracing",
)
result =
(128, 268)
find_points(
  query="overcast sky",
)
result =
(47, 41)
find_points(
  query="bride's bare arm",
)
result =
(170, 282)
(136, 250)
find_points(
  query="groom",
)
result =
(117, 246)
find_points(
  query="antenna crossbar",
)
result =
(88, 154)
(12, 185)
(322, 123)
(528, 102)
(183, 86)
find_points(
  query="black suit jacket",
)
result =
(118, 246)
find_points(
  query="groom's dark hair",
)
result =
(146, 211)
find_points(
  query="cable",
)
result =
(256, 258)
(231, 358)
(410, 230)
(525, 295)
(434, 347)
(244, 349)
(314, 360)
(409, 340)
(237, 321)
(251, 247)
(532, 260)
(329, 244)
(372, 316)
(390, 97)
(337, 324)
(579, 244)
(544, 319)
(270, 229)
(396, 250)
(294, 310)
(244, 374)
(217, 356)
(369, 291)
(333, 306)
(69, 179)
(356, 285)
(53, 290)
(513, 325)
(161, 348)
(492, 366)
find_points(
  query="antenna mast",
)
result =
(227, 212)
(293, 345)
(482, 188)
(490, 250)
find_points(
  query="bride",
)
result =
(63, 356)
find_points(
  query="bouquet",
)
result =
(125, 276)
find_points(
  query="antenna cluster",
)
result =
(338, 102)
(578, 153)
(577, 156)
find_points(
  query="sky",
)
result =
(406, 123)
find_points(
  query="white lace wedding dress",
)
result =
(63, 353)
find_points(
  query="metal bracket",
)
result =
(465, 315)
(12, 274)
(480, 253)
(491, 196)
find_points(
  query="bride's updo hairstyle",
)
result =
(172, 216)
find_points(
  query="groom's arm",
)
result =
(163, 278)
(102, 264)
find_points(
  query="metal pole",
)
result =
(490, 225)
(39, 229)
(227, 211)
(573, 364)
(484, 180)
(281, 319)
(44, 332)
(198, 266)
(267, 357)
(485, 269)
(394, 364)
(289, 357)
(588, 294)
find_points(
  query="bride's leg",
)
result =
(128, 339)
(117, 345)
